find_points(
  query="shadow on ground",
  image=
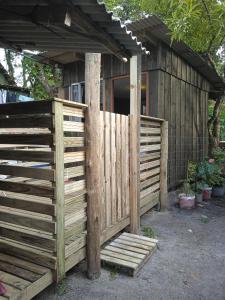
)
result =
(189, 264)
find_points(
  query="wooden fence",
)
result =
(115, 207)
(153, 162)
(42, 203)
(43, 188)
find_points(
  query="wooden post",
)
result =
(163, 166)
(93, 171)
(135, 109)
(59, 189)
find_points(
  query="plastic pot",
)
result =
(218, 191)
(199, 197)
(187, 201)
(207, 193)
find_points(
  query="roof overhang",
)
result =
(152, 30)
(64, 25)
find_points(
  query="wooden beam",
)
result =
(92, 99)
(163, 166)
(135, 109)
(59, 190)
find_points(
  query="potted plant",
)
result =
(187, 198)
(218, 185)
(199, 188)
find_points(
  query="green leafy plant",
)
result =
(149, 232)
(191, 171)
(199, 186)
(219, 155)
(210, 173)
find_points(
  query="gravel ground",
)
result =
(189, 264)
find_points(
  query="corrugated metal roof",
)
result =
(40, 25)
(153, 27)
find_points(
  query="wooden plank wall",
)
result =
(75, 184)
(115, 209)
(183, 101)
(150, 155)
(27, 205)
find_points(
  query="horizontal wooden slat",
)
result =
(149, 148)
(74, 142)
(149, 190)
(27, 238)
(149, 165)
(29, 254)
(150, 139)
(73, 112)
(149, 156)
(29, 189)
(150, 173)
(70, 157)
(73, 126)
(29, 222)
(27, 155)
(148, 182)
(147, 130)
(74, 186)
(33, 206)
(36, 173)
(147, 118)
(33, 121)
(150, 123)
(26, 108)
(28, 139)
(74, 172)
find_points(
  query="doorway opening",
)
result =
(121, 95)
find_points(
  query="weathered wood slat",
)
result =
(26, 108)
(29, 239)
(149, 182)
(148, 130)
(149, 190)
(27, 139)
(148, 174)
(73, 126)
(25, 221)
(70, 157)
(32, 121)
(148, 148)
(33, 206)
(149, 165)
(36, 173)
(74, 142)
(24, 188)
(27, 155)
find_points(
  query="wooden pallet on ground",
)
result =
(129, 251)
(22, 279)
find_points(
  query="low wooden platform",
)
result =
(129, 251)
(22, 280)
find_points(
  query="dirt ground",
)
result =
(189, 264)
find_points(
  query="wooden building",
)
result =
(176, 85)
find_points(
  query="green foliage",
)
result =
(210, 173)
(191, 171)
(199, 23)
(222, 118)
(149, 232)
(42, 79)
(125, 10)
(219, 155)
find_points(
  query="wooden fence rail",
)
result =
(43, 180)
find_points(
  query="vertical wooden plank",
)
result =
(163, 166)
(92, 99)
(59, 190)
(122, 203)
(107, 163)
(119, 173)
(102, 163)
(135, 108)
(113, 168)
(127, 174)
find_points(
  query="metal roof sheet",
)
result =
(40, 25)
(159, 31)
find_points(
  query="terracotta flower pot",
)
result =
(207, 193)
(187, 201)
